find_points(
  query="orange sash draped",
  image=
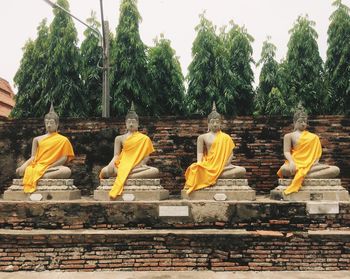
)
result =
(205, 173)
(50, 149)
(306, 152)
(136, 147)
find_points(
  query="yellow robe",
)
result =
(205, 173)
(136, 147)
(50, 149)
(306, 152)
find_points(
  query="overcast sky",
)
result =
(176, 19)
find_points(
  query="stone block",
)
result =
(312, 190)
(322, 207)
(230, 189)
(139, 189)
(48, 189)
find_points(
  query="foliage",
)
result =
(209, 78)
(129, 75)
(275, 104)
(91, 73)
(338, 57)
(304, 66)
(166, 79)
(268, 78)
(238, 45)
(64, 86)
(30, 77)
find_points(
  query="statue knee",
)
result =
(335, 171)
(66, 172)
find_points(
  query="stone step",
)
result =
(177, 250)
(87, 213)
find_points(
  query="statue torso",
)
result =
(208, 140)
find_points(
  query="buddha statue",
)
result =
(49, 154)
(131, 153)
(303, 151)
(214, 156)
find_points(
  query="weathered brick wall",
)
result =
(258, 140)
(171, 250)
(278, 216)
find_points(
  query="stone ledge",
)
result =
(132, 182)
(312, 182)
(46, 182)
(204, 232)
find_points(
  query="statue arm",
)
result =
(117, 150)
(21, 169)
(287, 147)
(229, 159)
(200, 149)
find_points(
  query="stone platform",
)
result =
(223, 190)
(312, 190)
(134, 190)
(47, 189)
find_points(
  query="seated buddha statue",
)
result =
(49, 154)
(302, 150)
(131, 153)
(214, 156)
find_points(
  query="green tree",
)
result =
(276, 104)
(167, 81)
(238, 44)
(268, 78)
(91, 73)
(209, 77)
(64, 86)
(338, 57)
(129, 75)
(30, 77)
(305, 68)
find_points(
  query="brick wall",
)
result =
(255, 215)
(171, 250)
(258, 140)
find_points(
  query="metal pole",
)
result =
(105, 78)
(106, 96)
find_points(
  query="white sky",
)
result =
(175, 18)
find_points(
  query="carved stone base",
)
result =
(312, 190)
(223, 190)
(47, 189)
(134, 190)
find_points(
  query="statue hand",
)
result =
(110, 168)
(292, 168)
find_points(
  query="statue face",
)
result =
(214, 125)
(51, 125)
(132, 125)
(300, 124)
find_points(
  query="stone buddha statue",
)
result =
(131, 153)
(49, 154)
(214, 156)
(303, 151)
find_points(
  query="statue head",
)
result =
(51, 120)
(214, 120)
(132, 119)
(300, 118)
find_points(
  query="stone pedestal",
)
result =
(134, 190)
(223, 190)
(312, 190)
(47, 189)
